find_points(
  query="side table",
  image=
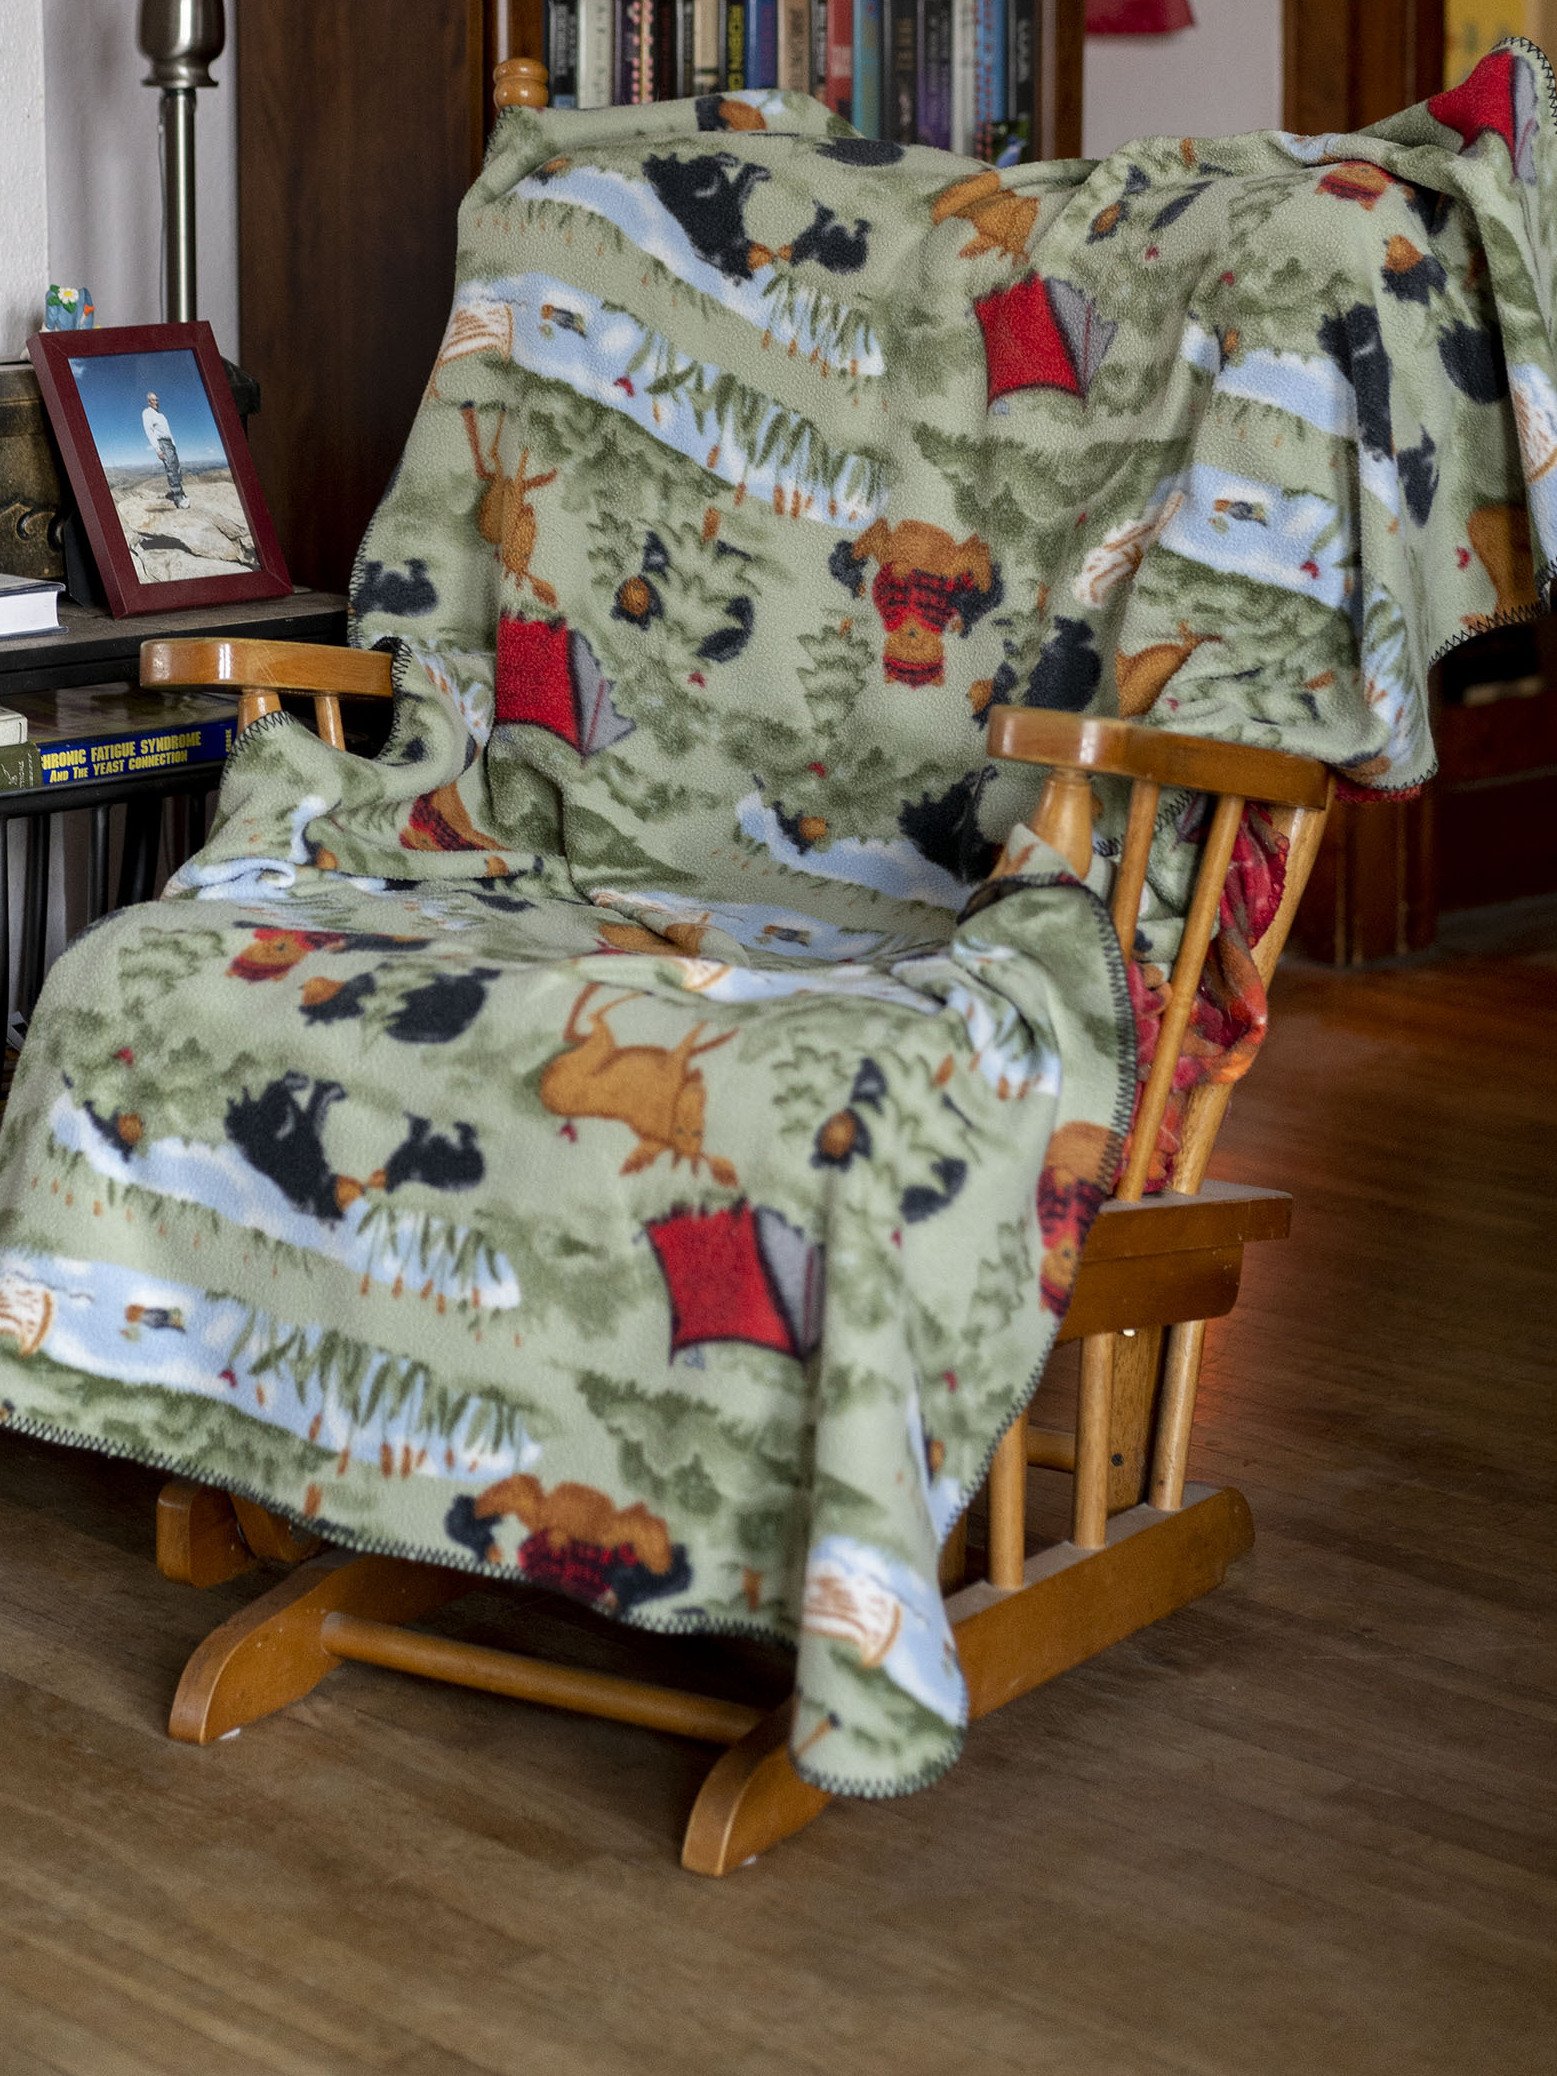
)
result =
(92, 648)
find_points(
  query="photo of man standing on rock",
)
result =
(179, 507)
(160, 434)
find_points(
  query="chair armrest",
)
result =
(1034, 735)
(263, 670)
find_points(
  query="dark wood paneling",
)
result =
(1374, 888)
(360, 126)
(1350, 62)
(1061, 54)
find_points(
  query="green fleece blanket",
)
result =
(623, 1137)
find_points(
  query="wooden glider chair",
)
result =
(1153, 1271)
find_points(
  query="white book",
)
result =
(29, 605)
(13, 727)
(707, 71)
(596, 53)
(964, 72)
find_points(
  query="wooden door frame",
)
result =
(1346, 63)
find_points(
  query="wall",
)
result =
(81, 204)
(23, 204)
(105, 168)
(1222, 76)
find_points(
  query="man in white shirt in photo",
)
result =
(159, 434)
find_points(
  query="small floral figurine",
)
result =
(68, 309)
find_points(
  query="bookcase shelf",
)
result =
(992, 79)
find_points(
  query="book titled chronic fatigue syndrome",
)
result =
(83, 733)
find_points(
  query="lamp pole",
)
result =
(181, 38)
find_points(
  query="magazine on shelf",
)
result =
(85, 732)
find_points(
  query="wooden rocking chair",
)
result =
(1153, 1271)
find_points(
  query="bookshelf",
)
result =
(992, 79)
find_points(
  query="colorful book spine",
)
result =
(79, 760)
(629, 15)
(707, 70)
(734, 46)
(902, 113)
(819, 47)
(838, 89)
(867, 67)
(989, 73)
(935, 41)
(794, 46)
(596, 53)
(762, 23)
(1021, 76)
(665, 52)
(964, 71)
(562, 52)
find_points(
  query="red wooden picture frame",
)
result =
(108, 506)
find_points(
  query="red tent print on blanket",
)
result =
(1500, 96)
(742, 1274)
(549, 675)
(1042, 334)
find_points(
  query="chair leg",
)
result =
(273, 1536)
(751, 1799)
(206, 1535)
(953, 1569)
(1089, 1519)
(199, 1542)
(1137, 1375)
(1008, 1507)
(1181, 1377)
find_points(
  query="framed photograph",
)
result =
(159, 465)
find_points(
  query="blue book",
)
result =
(762, 43)
(935, 73)
(989, 73)
(87, 732)
(867, 67)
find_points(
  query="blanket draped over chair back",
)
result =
(621, 1137)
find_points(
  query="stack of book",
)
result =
(958, 74)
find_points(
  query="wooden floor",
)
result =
(1305, 1828)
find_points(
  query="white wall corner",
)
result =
(105, 169)
(24, 199)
